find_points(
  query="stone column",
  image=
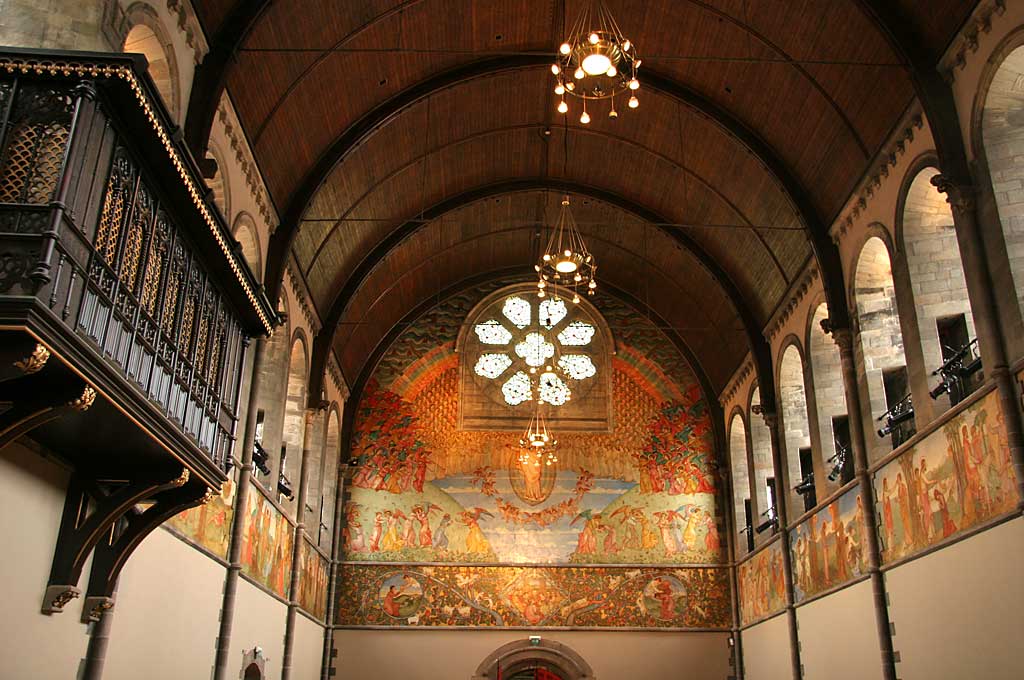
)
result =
(781, 497)
(300, 537)
(844, 339)
(961, 198)
(227, 611)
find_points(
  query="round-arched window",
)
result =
(518, 349)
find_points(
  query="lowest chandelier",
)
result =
(596, 62)
(566, 264)
(537, 445)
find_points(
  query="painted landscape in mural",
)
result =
(535, 597)
(267, 544)
(425, 491)
(829, 548)
(312, 595)
(209, 525)
(762, 585)
(954, 479)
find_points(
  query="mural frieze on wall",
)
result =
(954, 479)
(425, 493)
(762, 585)
(829, 548)
(267, 538)
(312, 595)
(535, 597)
(209, 525)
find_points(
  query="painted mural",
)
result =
(425, 491)
(535, 597)
(312, 595)
(954, 479)
(762, 585)
(209, 525)
(829, 548)
(267, 539)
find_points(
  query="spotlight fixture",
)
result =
(806, 484)
(840, 462)
(596, 61)
(566, 263)
(259, 458)
(771, 523)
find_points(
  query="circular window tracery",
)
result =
(534, 348)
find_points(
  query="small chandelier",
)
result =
(566, 263)
(537, 445)
(596, 62)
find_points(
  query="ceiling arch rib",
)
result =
(706, 321)
(385, 250)
(357, 135)
(328, 250)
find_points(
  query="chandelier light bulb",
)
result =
(596, 64)
(578, 75)
(540, 294)
(577, 278)
(612, 72)
(613, 114)
(559, 89)
(633, 102)
(634, 84)
(547, 257)
(556, 69)
(592, 285)
(594, 38)
(585, 118)
(575, 299)
(626, 45)
(567, 252)
(564, 48)
(562, 108)
(570, 86)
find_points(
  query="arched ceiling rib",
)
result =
(798, 96)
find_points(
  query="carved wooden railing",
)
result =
(90, 228)
(113, 261)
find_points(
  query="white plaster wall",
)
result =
(766, 651)
(838, 639)
(32, 644)
(307, 648)
(958, 612)
(259, 620)
(455, 655)
(166, 618)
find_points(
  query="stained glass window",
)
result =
(492, 365)
(525, 347)
(517, 310)
(576, 334)
(552, 390)
(535, 350)
(552, 311)
(517, 389)
(493, 333)
(577, 366)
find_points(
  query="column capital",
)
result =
(843, 337)
(959, 195)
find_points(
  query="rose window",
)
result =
(529, 348)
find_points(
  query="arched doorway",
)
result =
(534, 659)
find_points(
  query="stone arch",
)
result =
(740, 472)
(761, 457)
(294, 406)
(925, 233)
(829, 396)
(219, 185)
(329, 476)
(795, 429)
(524, 654)
(146, 35)
(248, 236)
(880, 350)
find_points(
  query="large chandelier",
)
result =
(537, 445)
(596, 62)
(566, 263)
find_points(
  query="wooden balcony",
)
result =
(125, 306)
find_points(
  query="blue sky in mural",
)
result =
(532, 544)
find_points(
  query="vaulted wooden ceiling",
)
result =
(413, 144)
